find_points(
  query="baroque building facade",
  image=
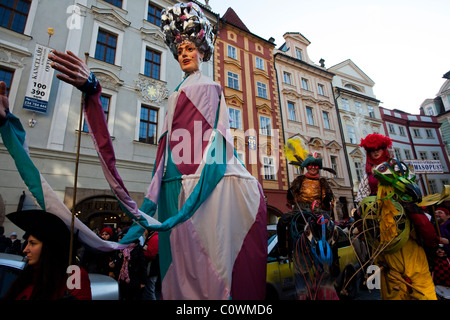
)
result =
(359, 114)
(122, 43)
(308, 110)
(244, 68)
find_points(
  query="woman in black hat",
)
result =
(47, 253)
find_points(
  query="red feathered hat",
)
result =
(375, 141)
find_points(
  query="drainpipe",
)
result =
(281, 115)
(343, 138)
(415, 155)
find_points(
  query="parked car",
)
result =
(280, 278)
(102, 286)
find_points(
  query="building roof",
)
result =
(232, 18)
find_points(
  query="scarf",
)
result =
(124, 275)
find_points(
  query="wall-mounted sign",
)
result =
(40, 81)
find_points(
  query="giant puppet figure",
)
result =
(308, 234)
(212, 214)
(393, 225)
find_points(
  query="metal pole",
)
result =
(77, 160)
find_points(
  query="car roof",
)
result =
(12, 260)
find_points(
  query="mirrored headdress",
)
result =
(186, 22)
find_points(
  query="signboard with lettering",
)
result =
(40, 82)
(426, 166)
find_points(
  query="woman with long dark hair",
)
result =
(47, 253)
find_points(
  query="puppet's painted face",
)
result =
(189, 57)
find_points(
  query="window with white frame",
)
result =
(391, 128)
(326, 120)
(298, 54)
(351, 134)
(423, 155)
(232, 52)
(291, 111)
(429, 133)
(266, 125)
(433, 186)
(259, 63)
(407, 154)
(435, 155)
(321, 89)
(345, 104)
(402, 130)
(304, 84)
(371, 110)
(358, 107)
(235, 118)
(334, 165)
(359, 171)
(261, 89)
(233, 80)
(417, 133)
(398, 154)
(309, 116)
(287, 77)
(269, 168)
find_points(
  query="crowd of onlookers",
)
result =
(135, 268)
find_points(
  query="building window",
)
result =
(291, 111)
(423, 155)
(371, 111)
(6, 76)
(152, 64)
(359, 171)
(433, 186)
(14, 14)
(148, 127)
(321, 89)
(429, 111)
(261, 89)
(106, 102)
(358, 107)
(407, 154)
(266, 126)
(287, 77)
(259, 63)
(402, 130)
(417, 133)
(429, 133)
(117, 3)
(269, 168)
(435, 155)
(105, 49)
(326, 120)
(235, 116)
(351, 134)
(232, 53)
(309, 116)
(391, 128)
(334, 165)
(398, 155)
(304, 84)
(298, 54)
(345, 104)
(233, 80)
(154, 14)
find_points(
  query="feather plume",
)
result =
(295, 150)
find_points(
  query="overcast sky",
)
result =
(402, 45)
